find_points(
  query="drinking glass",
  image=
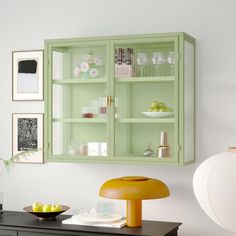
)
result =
(171, 62)
(142, 62)
(158, 60)
(105, 209)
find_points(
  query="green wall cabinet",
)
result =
(121, 99)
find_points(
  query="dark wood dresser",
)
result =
(23, 224)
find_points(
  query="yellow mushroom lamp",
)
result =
(134, 189)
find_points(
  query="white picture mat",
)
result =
(36, 157)
(27, 55)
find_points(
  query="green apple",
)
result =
(154, 105)
(162, 110)
(37, 207)
(56, 207)
(46, 207)
(168, 109)
(161, 105)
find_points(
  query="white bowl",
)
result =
(161, 114)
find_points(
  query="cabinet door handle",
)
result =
(109, 100)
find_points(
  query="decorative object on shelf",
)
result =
(49, 215)
(88, 66)
(142, 62)
(27, 135)
(76, 71)
(158, 60)
(74, 150)
(83, 149)
(87, 112)
(161, 114)
(134, 189)
(158, 110)
(171, 62)
(214, 187)
(102, 102)
(148, 152)
(94, 72)
(105, 209)
(123, 62)
(163, 149)
(27, 75)
(97, 149)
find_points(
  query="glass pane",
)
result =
(79, 101)
(188, 101)
(133, 139)
(145, 60)
(145, 100)
(133, 99)
(80, 62)
(79, 139)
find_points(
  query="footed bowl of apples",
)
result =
(159, 110)
(46, 211)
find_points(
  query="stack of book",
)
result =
(115, 221)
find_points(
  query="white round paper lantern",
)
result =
(214, 184)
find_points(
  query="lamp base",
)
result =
(134, 213)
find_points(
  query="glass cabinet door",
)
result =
(146, 99)
(79, 101)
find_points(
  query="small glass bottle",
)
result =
(103, 105)
(148, 152)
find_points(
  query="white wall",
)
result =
(25, 24)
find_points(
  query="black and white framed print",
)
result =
(27, 135)
(27, 75)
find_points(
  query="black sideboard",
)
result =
(23, 224)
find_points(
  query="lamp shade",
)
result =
(134, 189)
(214, 184)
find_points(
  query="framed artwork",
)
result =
(27, 75)
(27, 135)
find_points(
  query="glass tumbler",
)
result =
(105, 209)
(142, 61)
(171, 62)
(158, 60)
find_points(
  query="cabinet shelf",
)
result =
(80, 81)
(80, 120)
(146, 79)
(146, 120)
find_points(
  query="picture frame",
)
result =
(27, 75)
(27, 135)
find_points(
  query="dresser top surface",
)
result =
(25, 220)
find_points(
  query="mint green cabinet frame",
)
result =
(183, 95)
